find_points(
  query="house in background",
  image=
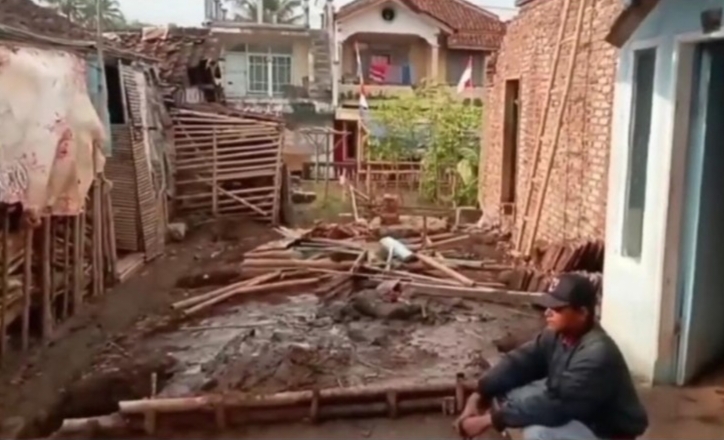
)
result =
(414, 40)
(663, 297)
(272, 63)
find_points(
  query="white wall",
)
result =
(370, 20)
(632, 287)
(640, 295)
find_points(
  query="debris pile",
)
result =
(582, 256)
(333, 259)
(382, 304)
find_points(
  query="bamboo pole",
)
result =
(279, 176)
(249, 290)
(327, 148)
(542, 125)
(5, 285)
(46, 284)
(214, 178)
(67, 267)
(285, 399)
(27, 288)
(433, 263)
(261, 279)
(110, 223)
(77, 265)
(558, 127)
(96, 235)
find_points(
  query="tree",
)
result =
(110, 12)
(285, 11)
(70, 9)
(85, 12)
(433, 126)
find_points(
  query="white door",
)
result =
(235, 74)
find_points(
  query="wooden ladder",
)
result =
(562, 40)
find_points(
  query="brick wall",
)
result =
(575, 203)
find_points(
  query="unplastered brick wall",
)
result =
(575, 203)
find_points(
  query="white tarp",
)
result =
(48, 128)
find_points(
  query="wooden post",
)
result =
(95, 241)
(279, 177)
(98, 222)
(214, 178)
(46, 284)
(111, 231)
(327, 149)
(81, 261)
(53, 221)
(4, 281)
(77, 265)
(67, 267)
(27, 288)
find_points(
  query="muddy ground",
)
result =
(128, 345)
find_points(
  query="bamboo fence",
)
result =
(227, 162)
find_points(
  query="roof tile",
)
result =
(473, 27)
(175, 48)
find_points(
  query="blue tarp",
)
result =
(96, 82)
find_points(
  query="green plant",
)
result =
(432, 124)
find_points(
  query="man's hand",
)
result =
(471, 409)
(474, 426)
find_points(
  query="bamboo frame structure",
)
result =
(233, 408)
(227, 162)
(52, 268)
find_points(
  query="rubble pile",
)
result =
(336, 259)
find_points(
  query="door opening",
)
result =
(510, 145)
(701, 344)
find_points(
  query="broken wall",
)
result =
(575, 203)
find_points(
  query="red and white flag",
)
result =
(378, 69)
(466, 79)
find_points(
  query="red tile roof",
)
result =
(473, 27)
(175, 48)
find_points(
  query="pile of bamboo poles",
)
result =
(234, 409)
(227, 163)
(309, 260)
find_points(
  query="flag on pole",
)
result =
(360, 75)
(363, 106)
(466, 79)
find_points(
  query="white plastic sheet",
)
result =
(48, 129)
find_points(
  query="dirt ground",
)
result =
(36, 391)
(127, 346)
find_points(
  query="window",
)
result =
(281, 73)
(644, 67)
(258, 75)
(270, 69)
(457, 61)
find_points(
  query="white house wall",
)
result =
(370, 21)
(639, 294)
